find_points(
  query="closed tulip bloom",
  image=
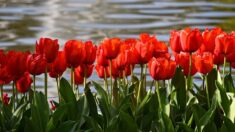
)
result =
(218, 59)
(101, 59)
(204, 62)
(58, 67)
(16, 64)
(23, 84)
(144, 49)
(5, 77)
(48, 48)
(78, 78)
(36, 64)
(101, 71)
(160, 50)
(74, 53)
(5, 99)
(209, 39)
(90, 51)
(122, 60)
(84, 70)
(224, 44)
(111, 47)
(182, 59)
(190, 39)
(129, 46)
(161, 68)
(175, 42)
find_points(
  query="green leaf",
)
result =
(178, 82)
(128, 123)
(228, 83)
(167, 123)
(66, 91)
(93, 124)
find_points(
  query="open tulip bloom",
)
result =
(178, 88)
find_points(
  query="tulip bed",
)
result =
(171, 102)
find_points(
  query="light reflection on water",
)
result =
(24, 21)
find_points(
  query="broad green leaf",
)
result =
(128, 123)
(66, 91)
(228, 83)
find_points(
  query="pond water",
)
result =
(22, 22)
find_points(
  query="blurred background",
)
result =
(22, 22)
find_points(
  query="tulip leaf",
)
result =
(228, 83)
(128, 123)
(178, 82)
(211, 79)
(66, 91)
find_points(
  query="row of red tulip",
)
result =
(118, 57)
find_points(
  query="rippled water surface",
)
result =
(22, 22)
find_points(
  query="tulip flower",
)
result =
(23, 84)
(129, 46)
(182, 59)
(16, 64)
(36, 64)
(144, 49)
(161, 68)
(48, 48)
(204, 62)
(101, 60)
(218, 59)
(74, 53)
(78, 78)
(53, 107)
(84, 71)
(90, 51)
(101, 71)
(5, 77)
(58, 67)
(111, 47)
(5, 99)
(122, 60)
(161, 50)
(190, 39)
(175, 42)
(209, 36)
(224, 44)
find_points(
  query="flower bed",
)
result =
(173, 101)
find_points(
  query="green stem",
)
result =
(105, 81)
(189, 72)
(224, 69)
(144, 78)
(58, 87)
(132, 75)
(72, 80)
(163, 83)
(45, 82)
(158, 95)
(13, 94)
(207, 92)
(230, 68)
(34, 85)
(1, 92)
(139, 95)
(111, 79)
(84, 82)
(203, 82)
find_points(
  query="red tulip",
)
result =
(190, 39)
(84, 70)
(204, 62)
(122, 60)
(182, 59)
(90, 51)
(209, 39)
(118, 72)
(224, 44)
(129, 45)
(100, 71)
(175, 42)
(111, 47)
(23, 84)
(161, 68)
(5, 99)
(58, 67)
(36, 64)
(78, 78)
(5, 77)
(48, 48)
(16, 64)
(101, 60)
(161, 50)
(74, 53)
(218, 59)
(53, 107)
(144, 48)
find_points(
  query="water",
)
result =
(22, 22)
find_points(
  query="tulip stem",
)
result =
(85, 70)
(45, 82)
(1, 92)
(58, 87)
(189, 72)
(72, 80)
(224, 69)
(131, 67)
(203, 82)
(105, 81)
(139, 95)
(158, 95)
(144, 79)
(34, 85)
(207, 91)
(230, 68)
(111, 79)
(13, 94)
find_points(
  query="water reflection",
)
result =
(24, 21)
